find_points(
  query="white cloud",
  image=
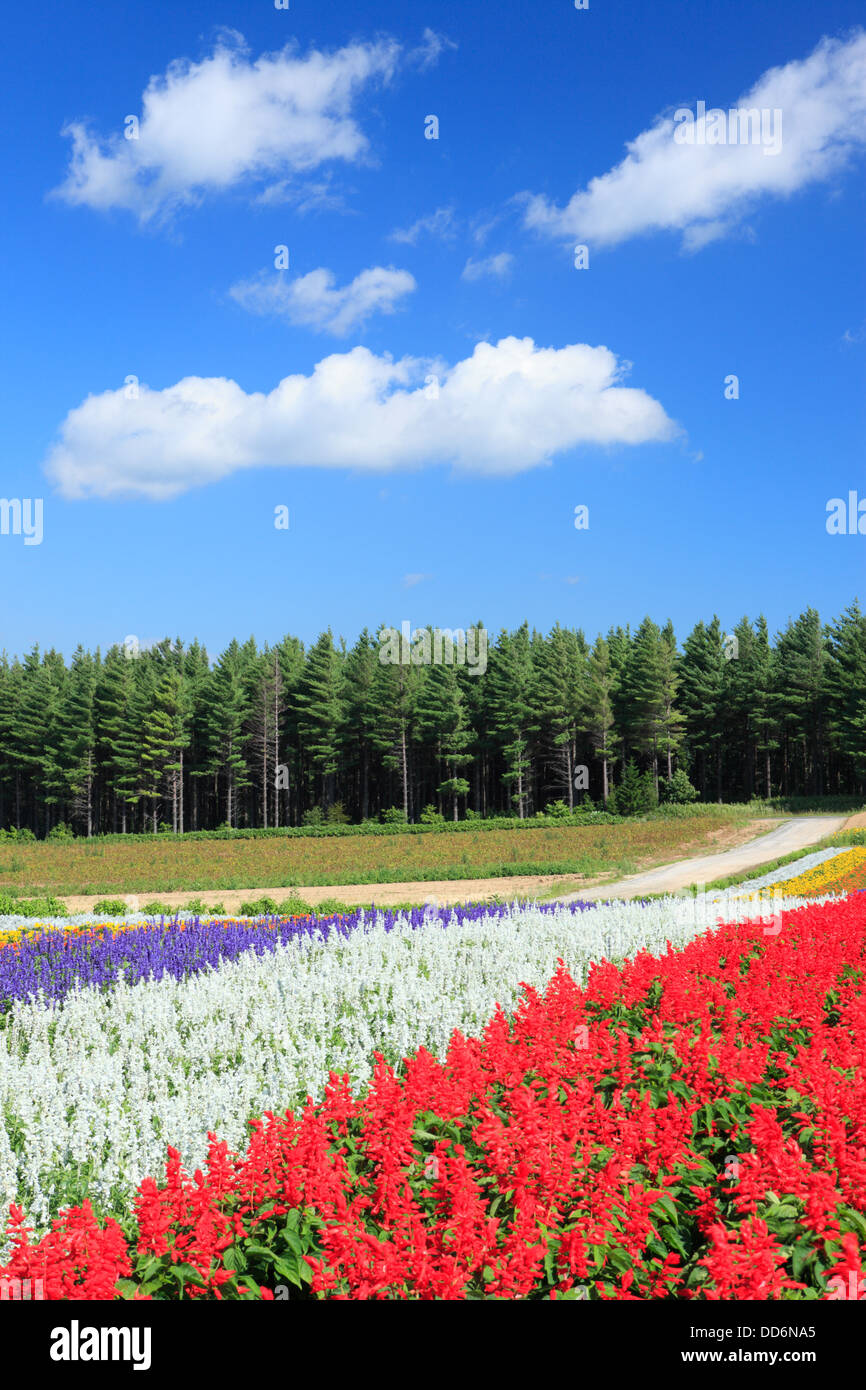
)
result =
(704, 190)
(482, 226)
(497, 267)
(438, 224)
(426, 55)
(409, 581)
(208, 126)
(315, 301)
(509, 407)
(312, 195)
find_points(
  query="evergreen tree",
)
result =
(846, 689)
(227, 713)
(560, 701)
(702, 684)
(74, 753)
(318, 701)
(512, 697)
(442, 721)
(600, 710)
(359, 719)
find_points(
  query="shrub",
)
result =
(677, 790)
(395, 815)
(112, 907)
(199, 907)
(635, 792)
(259, 907)
(296, 907)
(315, 816)
(328, 907)
(336, 815)
(430, 816)
(157, 909)
(13, 906)
(60, 831)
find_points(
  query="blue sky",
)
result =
(605, 387)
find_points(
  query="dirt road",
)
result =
(794, 834)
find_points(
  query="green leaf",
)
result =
(261, 1251)
(234, 1258)
(781, 1211)
(855, 1219)
(152, 1268)
(294, 1242)
(186, 1274)
(669, 1207)
(288, 1270)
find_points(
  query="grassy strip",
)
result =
(326, 831)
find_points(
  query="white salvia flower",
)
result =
(103, 1081)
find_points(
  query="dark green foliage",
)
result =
(259, 907)
(112, 907)
(635, 793)
(282, 738)
(677, 789)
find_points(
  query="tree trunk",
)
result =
(276, 739)
(265, 769)
(405, 769)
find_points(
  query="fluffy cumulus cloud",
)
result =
(508, 407)
(316, 301)
(814, 121)
(206, 127)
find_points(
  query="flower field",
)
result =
(115, 1042)
(159, 863)
(684, 1125)
(844, 872)
(560, 1101)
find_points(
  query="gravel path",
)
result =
(672, 878)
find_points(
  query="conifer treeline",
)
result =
(264, 737)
